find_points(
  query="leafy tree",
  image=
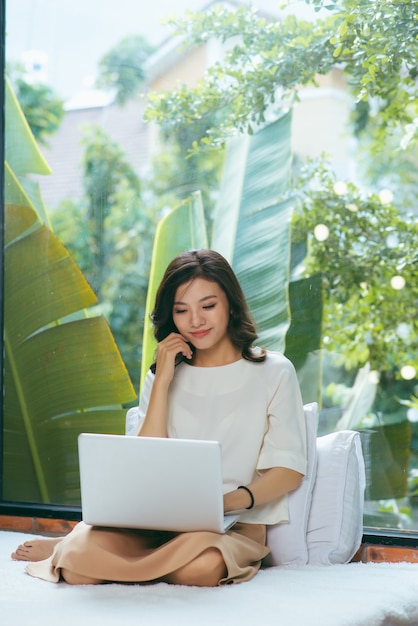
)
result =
(42, 108)
(122, 68)
(179, 170)
(366, 252)
(63, 372)
(110, 232)
(375, 45)
(106, 170)
(373, 42)
(110, 235)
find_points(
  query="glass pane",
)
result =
(79, 235)
(79, 238)
(84, 192)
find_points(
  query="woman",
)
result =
(207, 382)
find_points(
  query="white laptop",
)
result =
(152, 483)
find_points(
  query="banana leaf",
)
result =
(21, 150)
(182, 229)
(252, 229)
(303, 338)
(61, 377)
(63, 372)
(22, 156)
(386, 450)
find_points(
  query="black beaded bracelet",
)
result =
(250, 493)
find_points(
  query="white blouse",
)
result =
(254, 410)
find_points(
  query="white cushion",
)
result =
(335, 524)
(287, 542)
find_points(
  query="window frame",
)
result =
(7, 507)
(380, 536)
(2, 148)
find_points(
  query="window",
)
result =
(82, 204)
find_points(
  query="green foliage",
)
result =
(382, 163)
(110, 236)
(63, 371)
(252, 230)
(21, 150)
(41, 106)
(110, 232)
(241, 89)
(70, 223)
(370, 243)
(179, 170)
(122, 69)
(181, 229)
(375, 43)
(106, 173)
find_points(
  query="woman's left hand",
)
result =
(272, 484)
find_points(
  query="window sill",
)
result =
(36, 525)
(376, 548)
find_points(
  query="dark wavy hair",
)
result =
(211, 266)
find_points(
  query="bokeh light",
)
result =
(408, 372)
(321, 232)
(397, 282)
(374, 377)
(386, 196)
(340, 188)
(403, 330)
(392, 241)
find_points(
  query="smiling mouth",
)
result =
(200, 333)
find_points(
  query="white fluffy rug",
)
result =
(340, 595)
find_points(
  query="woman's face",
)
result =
(201, 314)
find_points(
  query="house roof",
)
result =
(172, 49)
(124, 125)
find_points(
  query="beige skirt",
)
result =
(121, 555)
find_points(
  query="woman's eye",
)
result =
(209, 306)
(179, 311)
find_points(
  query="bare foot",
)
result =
(35, 549)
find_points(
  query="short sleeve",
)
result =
(284, 443)
(144, 399)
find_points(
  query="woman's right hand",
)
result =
(167, 351)
(155, 423)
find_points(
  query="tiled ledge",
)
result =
(371, 553)
(367, 553)
(36, 525)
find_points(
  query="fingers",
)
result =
(174, 344)
(167, 350)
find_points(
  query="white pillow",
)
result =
(335, 524)
(287, 542)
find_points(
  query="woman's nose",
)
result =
(197, 319)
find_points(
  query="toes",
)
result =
(21, 553)
(21, 550)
